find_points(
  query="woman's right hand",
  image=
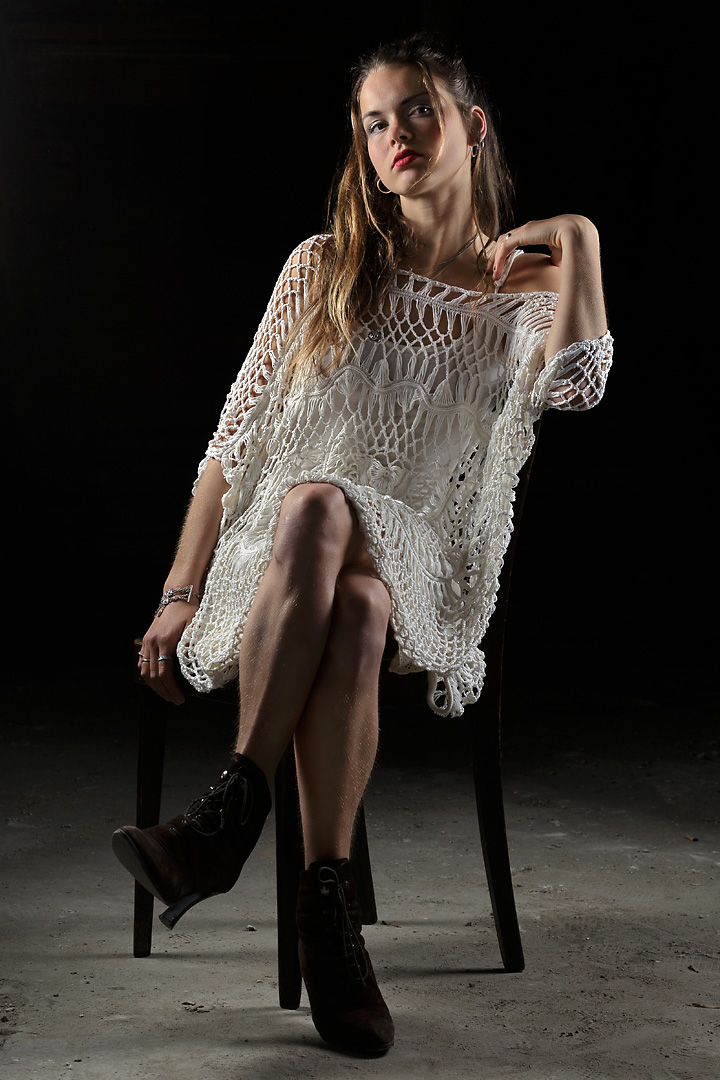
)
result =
(157, 658)
(198, 538)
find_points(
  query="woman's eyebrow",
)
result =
(376, 112)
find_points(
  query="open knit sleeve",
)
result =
(251, 395)
(580, 372)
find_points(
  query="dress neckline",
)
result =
(443, 285)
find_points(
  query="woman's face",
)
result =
(403, 133)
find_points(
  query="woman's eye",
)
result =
(417, 110)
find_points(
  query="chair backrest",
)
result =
(494, 640)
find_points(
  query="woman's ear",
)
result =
(478, 128)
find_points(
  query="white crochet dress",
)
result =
(425, 428)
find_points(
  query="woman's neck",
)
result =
(444, 231)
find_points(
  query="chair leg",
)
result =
(151, 756)
(289, 863)
(362, 873)
(493, 836)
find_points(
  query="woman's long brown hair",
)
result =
(368, 233)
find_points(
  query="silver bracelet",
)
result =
(171, 595)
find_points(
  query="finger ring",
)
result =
(166, 657)
(145, 659)
(508, 236)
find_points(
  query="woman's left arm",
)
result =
(572, 271)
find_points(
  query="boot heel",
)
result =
(176, 911)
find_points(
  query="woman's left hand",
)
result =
(554, 233)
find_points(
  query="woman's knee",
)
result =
(360, 616)
(314, 519)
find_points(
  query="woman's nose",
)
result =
(399, 132)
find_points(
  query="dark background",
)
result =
(159, 162)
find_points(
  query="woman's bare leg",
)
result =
(289, 622)
(335, 744)
(336, 739)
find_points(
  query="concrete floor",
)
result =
(613, 825)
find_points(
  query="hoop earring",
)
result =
(382, 190)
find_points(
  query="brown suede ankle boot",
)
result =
(347, 1007)
(199, 853)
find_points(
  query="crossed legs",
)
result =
(309, 667)
(310, 662)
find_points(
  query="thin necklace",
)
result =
(446, 262)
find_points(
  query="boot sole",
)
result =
(354, 1047)
(131, 858)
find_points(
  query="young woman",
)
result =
(359, 484)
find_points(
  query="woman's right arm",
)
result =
(202, 523)
(197, 543)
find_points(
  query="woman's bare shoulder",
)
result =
(532, 271)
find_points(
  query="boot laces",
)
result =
(352, 952)
(207, 815)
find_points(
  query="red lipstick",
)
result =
(404, 157)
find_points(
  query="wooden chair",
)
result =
(485, 728)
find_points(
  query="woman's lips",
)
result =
(405, 159)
